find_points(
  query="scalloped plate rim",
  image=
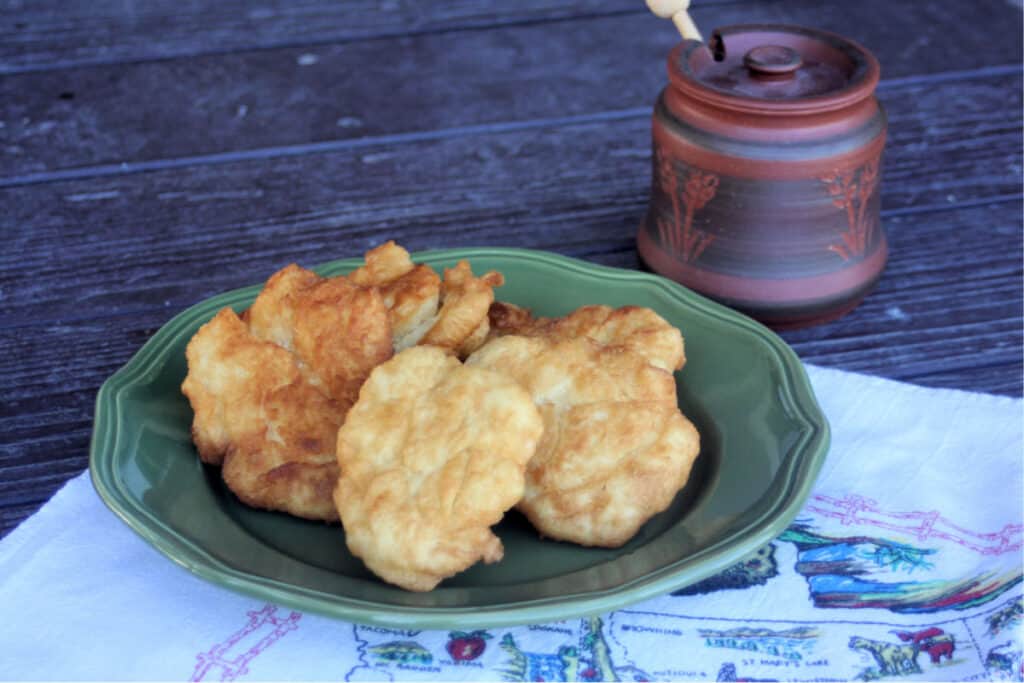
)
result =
(799, 475)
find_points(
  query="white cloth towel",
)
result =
(905, 564)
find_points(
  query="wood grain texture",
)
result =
(191, 107)
(562, 187)
(12, 515)
(48, 33)
(312, 130)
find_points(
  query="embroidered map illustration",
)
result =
(872, 594)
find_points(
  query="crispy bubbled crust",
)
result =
(258, 416)
(615, 450)
(431, 456)
(423, 308)
(338, 331)
(461, 323)
(636, 328)
(411, 292)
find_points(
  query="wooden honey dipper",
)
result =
(676, 11)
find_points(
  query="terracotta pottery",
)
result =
(767, 149)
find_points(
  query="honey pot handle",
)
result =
(676, 11)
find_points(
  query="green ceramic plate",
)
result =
(763, 441)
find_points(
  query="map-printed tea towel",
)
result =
(905, 564)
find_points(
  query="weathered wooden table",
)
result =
(156, 153)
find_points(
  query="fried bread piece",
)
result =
(461, 324)
(412, 293)
(615, 450)
(258, 416)
(431, 456)
(424, 310)
(271, 317)
(338, 330)
(634, 327)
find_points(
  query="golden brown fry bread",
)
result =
(337, 330)
(431, 456)
(636, 328)
(411, 292)
(615, 449)
(424, 310)
(461, 324)
(270, 393)
(260, 417)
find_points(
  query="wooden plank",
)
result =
(184, 234)
(280, 98)
(50, 32)
(24, 490)
(12, 515)
(47, 465)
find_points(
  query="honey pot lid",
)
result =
(772, 68)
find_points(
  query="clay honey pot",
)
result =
(767, 147)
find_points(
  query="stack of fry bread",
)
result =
(417, 410)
